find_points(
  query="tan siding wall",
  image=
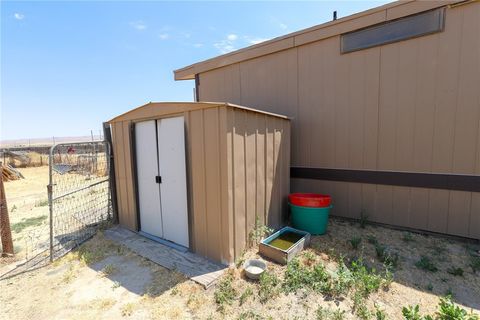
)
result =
(238, 167)
(408, 106)
(260, 161)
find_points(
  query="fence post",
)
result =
(107, 136)
(5, 231)
(50, 199)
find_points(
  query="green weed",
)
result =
(475, 263)
(425, 263)
(259, 232)
(372, 239)
(329, 314)
(355, 242)
(41, 203)
(407, 237)
(379, 313)
(225, 293)
(363, 219)
(458, 272)
(269, 286)
(245, 295)
(28, 222)
(449, 311)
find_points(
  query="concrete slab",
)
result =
(198, 269)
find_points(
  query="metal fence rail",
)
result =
(78, 193)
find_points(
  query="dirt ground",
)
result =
(28, 209)
(103, 280)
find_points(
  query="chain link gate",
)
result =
(79, 195)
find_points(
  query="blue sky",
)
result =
(68, 66)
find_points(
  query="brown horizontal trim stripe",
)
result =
(394, 178)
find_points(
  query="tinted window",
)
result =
(393, 31)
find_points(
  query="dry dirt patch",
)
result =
(103, 280)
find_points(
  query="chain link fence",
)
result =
(78, 193)
(79, 202)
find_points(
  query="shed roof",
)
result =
(329, 29)
(165, 108)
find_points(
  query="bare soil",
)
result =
(103, 280)
(28, 209)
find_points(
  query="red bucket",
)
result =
(313, 200)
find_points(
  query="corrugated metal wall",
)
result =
(408, 106)
(238, 168)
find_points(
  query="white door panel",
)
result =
(147, 170)
(173, 189)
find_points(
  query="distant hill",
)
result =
(45, 141)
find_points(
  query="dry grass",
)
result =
(132, 287)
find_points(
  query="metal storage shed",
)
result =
(201, 175)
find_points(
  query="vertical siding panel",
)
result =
(276, 205)
(118, 164)
(401, 206)
(474, 224)
(230, 182)
(286, 168)
(369, 196)
(405, 104)
(269, 167)
(383, 205)
(239, 180)
(212, 183)
(226, 218)
(260, 167)
(354, 200)
(250, 171)
(342, 125)
(468, 103)
(370, 115)
(221, 85)
(122, 188)
(387, 108)
(198, 181)
(446, 93)
(132, 214)
(190, 191)
(438, 210)
(459, 213)
(419, 210)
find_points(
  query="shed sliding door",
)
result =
(161, 176)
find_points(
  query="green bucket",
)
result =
(310, 219)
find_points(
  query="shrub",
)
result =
(425, 263)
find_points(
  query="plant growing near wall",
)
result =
(259, 232)
(355, 242)
(363, 219)
(425, 263)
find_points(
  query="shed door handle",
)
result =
(158, 179)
